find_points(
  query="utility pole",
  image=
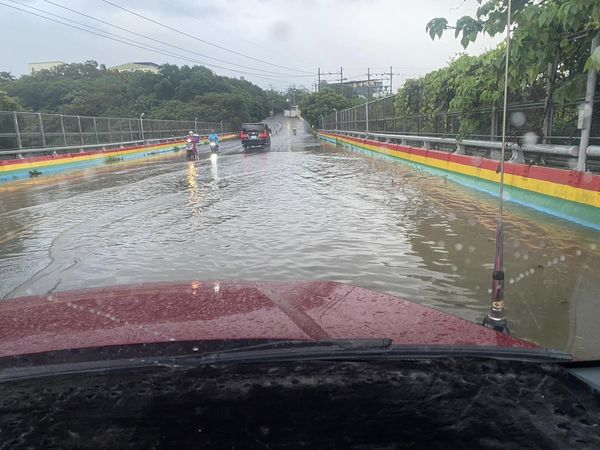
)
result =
(342, 80)
(389, 75)
(142, 127)
(368, 85)
(318, 79)
(586, 111)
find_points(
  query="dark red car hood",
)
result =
(217, 310)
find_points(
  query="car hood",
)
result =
(222, 310)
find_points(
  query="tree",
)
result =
(550, 43)
(8, 103)
(173, 93)
(322, 103)
(6, 77)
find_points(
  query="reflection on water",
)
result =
(315, 212)
(214, 167)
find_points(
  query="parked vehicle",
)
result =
(255, 135)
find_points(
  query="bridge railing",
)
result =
(555, 155)
(554, 142)
(40, 133)
(382, 115)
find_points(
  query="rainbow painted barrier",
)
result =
(14, 169)
(568, 194)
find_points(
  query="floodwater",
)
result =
(304, 210)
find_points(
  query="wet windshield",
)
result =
(381, 168)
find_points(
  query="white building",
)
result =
(133, 66)
(45, 65)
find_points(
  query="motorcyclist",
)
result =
(214, 137)
(195, 141)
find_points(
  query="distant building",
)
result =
(362, 88)
(46, 65)
(133, 66)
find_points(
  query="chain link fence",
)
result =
(481, 123)
(29, 130)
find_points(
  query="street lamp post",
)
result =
(142, 127)
(336, 119)
(321, 121)
(196, 125)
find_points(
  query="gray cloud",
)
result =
(303, 34)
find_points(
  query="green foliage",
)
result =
(323, 103)
(8, 103)
(467, 83)
(553, 34)
(173, 93)
(6, 76)
(543, 31)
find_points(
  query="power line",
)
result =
(156, 40)
(203, 40)
(131, 43)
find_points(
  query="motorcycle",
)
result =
(294, 132)
(214, 147)
(189, 150)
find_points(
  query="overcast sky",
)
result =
(301, 35)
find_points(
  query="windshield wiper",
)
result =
(293, 350)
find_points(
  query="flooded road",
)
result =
(304, 210)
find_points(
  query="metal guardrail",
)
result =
(82, 148)
(460, 146)
(23, 131)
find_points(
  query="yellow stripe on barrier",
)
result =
(558, 190)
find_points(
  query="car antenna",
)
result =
(495, 318)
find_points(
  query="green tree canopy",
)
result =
(172, 93)
(8, 103)
(322, 103)
(555, 33)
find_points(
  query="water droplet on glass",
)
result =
(454, 268)
(517, 255)
(471, 248)
(593, 246)
(195, 349)
(530, 138)
(458, 247)
(518, 118)
(525, 257)
(578, 252)
(587, 178)
(572, 163)
(562, 257)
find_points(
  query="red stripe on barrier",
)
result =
(565, 177)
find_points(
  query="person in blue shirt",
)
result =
(214, 137)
